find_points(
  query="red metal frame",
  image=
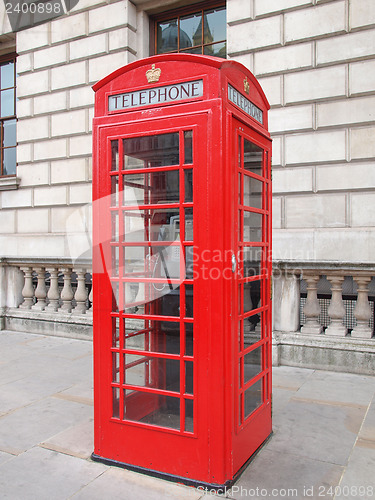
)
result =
(208, 378)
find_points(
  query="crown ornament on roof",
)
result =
(246, 86)
(153, 74)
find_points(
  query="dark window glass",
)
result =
(200, 31)
(8, 139)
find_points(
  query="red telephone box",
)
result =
(182, 267)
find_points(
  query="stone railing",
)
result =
(36, 292)
(323, 315)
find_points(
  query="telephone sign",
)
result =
(181, 281)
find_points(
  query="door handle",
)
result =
(234, 263)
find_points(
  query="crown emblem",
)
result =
(153, 74)
(246, 86)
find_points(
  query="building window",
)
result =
(8, 117)
(201, 29)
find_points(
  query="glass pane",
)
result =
(188, 185)
(167, 34)
(251, 257)
(9, 133)
(152, 299)
(189, 233)
(10, 161)
(150, 371)
(114, 156)
(251, 296)
(189, 301)
(188, 146)
(252, 227)
(189, 262)
(252, 192)
(189, 415)
(252, 364)
(114, 191)
(253, 397)
(152, 225)
(150, 335)
(189, 339)
(7, 103)
(155, 409)
(115, 228)
(252, 330)
(115, 402)
(215, 25)
(151, 151)
(151, 188)
(115, 296)
(216, 49)
(253, 156)
(116, 367)
(152, 262)
(115, 261)
(115, 332)
(195, 50)
(189, 378)
(7, 75)
(190, 30)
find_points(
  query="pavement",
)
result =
(323, 445)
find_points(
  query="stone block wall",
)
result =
(315, 60)
(57, 64)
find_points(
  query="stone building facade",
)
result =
(315, 60)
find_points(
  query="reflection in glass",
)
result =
(189, 262)
(189, 301)
(10, 161)
(114, 155)
(115, 261)
(152, 225)
(252, 227)
(253, 397)
(188, 185)
(252, 295)
(9, 133)
(167, 35)
(253, 156)
(115, 226)
(115, 296)
(7, 75)
(155, 409)
(188, 146)
(115, 402)
(252, 364)
(151, 188)
(190, 30)
(252, 192)
(7, 105)
(194, 50)
(216, 50)
(152, 299)
(216, 22)
(151, 151)
(115, 332)
(114, 190)
(116, 367)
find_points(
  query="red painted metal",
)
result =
(187, 405)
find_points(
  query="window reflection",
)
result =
(151, 151)
(7, 118)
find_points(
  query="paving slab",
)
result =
(367, 431)
(280, 398)
(338, 387)
(289, 377)
(128, 485)
(4, 457)
(317, 431)
(41, 474)
(283, 475)
(26, 427)
(358, 481)
(77, 441)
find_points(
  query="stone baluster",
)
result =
(362, 310)
(67, 291)
(41, 289)
(336, 309)
(53, 294)
(81, 292)
(28, 289)
(311, 309)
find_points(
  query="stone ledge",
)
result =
(320, 352)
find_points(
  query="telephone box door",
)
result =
(152, 411)
(252, 301)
